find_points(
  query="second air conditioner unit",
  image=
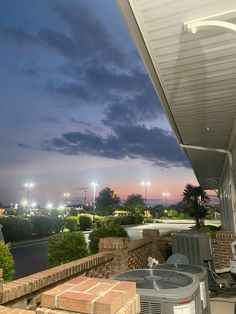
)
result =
(196, 246)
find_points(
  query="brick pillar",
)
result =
(119, 247)
(154, 235)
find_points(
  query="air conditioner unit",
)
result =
(196, 246)
(198, 271)
(165, 291)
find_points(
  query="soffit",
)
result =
(196, 73)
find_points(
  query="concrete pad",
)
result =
(222, 305)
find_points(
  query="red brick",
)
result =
(48, 297)
(110, 303)
(129, 289)
(75, 301)
(76, 281)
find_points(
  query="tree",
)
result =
(158, 210)
(195, 200)
(107, 202)
(135, 204)
(10, 211)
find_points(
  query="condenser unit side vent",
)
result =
(196, 246)
(150, 307)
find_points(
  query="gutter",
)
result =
(231, 173)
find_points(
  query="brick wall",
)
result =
(164, 245)
(138, 253)
(221, 247)
(160, 244)
(25, 293)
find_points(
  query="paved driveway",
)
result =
(136, 232)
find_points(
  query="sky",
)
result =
(77, 106)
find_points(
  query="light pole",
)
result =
(28, 187)
(85, 197)
(166, 194)
(145, 184)
(66, 195)
(94, 184)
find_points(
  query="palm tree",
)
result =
(195, 200)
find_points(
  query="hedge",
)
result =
(72, 223)
(66, 247)
(85, 222)
(110, 230)
(42, 225)
(15, 229)
(6, 261)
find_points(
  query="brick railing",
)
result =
(221, 247)
(115, 255)
(26, 292)
(138, 253)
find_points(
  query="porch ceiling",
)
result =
(193, 74)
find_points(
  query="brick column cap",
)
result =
(151, 233)
(113, 243)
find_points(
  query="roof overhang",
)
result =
(189, 50)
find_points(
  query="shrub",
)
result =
(128, 220)
(42, 225)
(104, 220)
(110, 230)
(58, 224)
(149, 220)
(85, 222)
(207, 228)
(15, 229)
(6, 262)
(66, 247)
(72, 223)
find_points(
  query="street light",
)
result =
(49, 205)
(33, 204)
(94, 184)
(166, 194)
(67, 195)
(145, 184)
(28, 187)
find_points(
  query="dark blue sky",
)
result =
(77, 105)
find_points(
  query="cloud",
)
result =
(98, 82)
(19, 35)
(85, 37)
(50, 120)
(98, 71)
(24, 145)
(32, 72)
(136, 142)
(80, 122)
(124, 96)
(140, 108)
(69, 90)
(90, 36)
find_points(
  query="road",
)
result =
(135, 232)
(32, 258)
